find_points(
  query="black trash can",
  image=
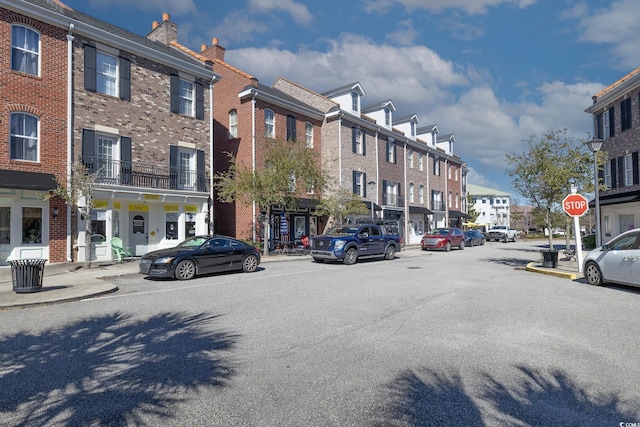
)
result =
(27, 275)
(550, 258)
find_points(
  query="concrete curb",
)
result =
(532, 266)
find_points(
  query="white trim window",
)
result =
(358, 183)
(607, 175)
(106, 73)
(106, 156)
(187, 98)
(421, 194)
(421, 162)
(187, 168)
(269, 124)
(355, 101)
(387, 117)
(24, 135)
(25, 50)
(358, 147)
(411, 192)
(233, 123)
(410, 156)
(308, 133)
(628, 170)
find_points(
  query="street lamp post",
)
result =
(595, 145)
(371, 185)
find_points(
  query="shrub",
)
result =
(589, 242)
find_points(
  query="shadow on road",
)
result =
(511, 262)
(538, 398)
(110, 370)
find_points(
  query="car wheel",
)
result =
(514, 238)
(250, 263)
(461, 246)
(505, 239)
(186, 270)
(350, 257)
(471, 243)
(593, 274)
(390, 253)
(447, 247)
(481, 242)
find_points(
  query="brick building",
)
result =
(33, 116)
(616, 120)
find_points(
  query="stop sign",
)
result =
(575, 205)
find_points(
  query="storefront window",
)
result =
(172, 225)
(99, 222)
(190, 225)
(5, 221)
(31, 225)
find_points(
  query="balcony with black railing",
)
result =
(437, 205)
(394, 200)
(135, 174)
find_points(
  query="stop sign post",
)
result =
(576, 205)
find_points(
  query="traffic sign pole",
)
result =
(576, 205)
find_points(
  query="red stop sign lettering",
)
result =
(575, 205)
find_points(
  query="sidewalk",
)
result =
(71, 281)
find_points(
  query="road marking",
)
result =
(297, 273)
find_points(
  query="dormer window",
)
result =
(413, 129)
(355, 101)
(387, 117)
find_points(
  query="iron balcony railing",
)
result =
(392, 200)
(437, 205)
(135, 174)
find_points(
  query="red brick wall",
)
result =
(46, 97)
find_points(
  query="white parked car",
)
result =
(617, 261)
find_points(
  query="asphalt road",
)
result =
(460, 338)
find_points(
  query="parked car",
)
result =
(200, 255)
(617, 261)
(473, 238)
(443, 239)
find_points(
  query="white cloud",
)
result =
(298, 11)
(174, 7)
(459, 100)
(471, 7)
(613, 26)
(239, 27)
(405, 35)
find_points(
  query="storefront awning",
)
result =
(458, 214)
(419, 210)
(376, 207)
(615, 200)
(27, 180)
(308, 203)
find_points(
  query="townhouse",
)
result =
(33, 118)
(379, 157)
(246, 115)
(493, 206)
(134, 110)
(616, 121)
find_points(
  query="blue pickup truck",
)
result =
(349, 242)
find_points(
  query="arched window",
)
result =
(24, 137)
(269, 124)
(233, 124)
(308, 132)
(25, 50)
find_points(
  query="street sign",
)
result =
(575, 205)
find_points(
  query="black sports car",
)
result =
(201, 255)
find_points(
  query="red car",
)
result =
(443, 239)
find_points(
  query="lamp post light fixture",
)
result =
(595, 145)
(55, 213)
(371, 185)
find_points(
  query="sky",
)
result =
(492, 72)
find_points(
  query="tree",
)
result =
(290, 170)
(471, 209)
(544, 173)
(339, 204)
(81, 185)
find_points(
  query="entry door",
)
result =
(139, 233)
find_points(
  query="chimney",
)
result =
(164, 32)
(215, 51)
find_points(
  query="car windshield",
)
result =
(193, 242)
(344, 230)
(441, 231)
